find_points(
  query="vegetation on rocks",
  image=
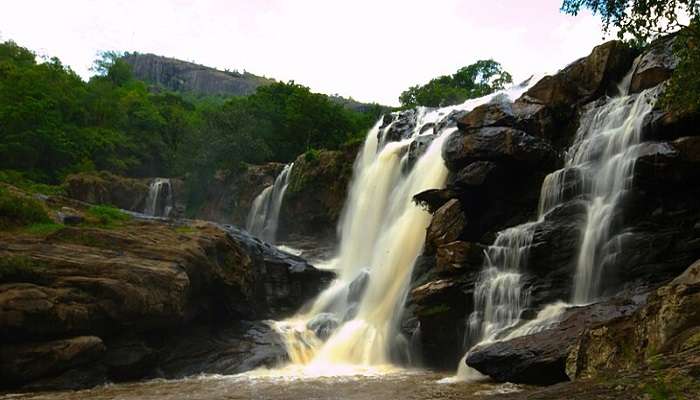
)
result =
(20, 210)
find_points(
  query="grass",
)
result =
(43, 229)
(185, 229)
(106, 216)
(18, 179)
(16, 210)
(18, 269)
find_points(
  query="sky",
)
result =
(370, 50)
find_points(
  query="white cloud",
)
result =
(368, 49)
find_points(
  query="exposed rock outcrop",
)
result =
(317, 190)
(129, 293)
(106, 188)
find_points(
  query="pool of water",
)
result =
(395, 385)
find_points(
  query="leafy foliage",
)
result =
(642, 19)
(682, 94)
(107, 216)
(53, 124)
(17, 210)
(475, 80)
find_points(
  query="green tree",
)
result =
(475, 80)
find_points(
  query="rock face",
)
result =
(540, 358)
(229, 198)
(317, 190)
(497, 161)
(669, 323)
(177, 75)
(114, 302)
(105, 188)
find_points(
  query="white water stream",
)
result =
(263, 217)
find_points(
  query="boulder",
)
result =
(455, 256)
(323, 325)
(585, 79)
(416, 149)
(446, 226)
(654, 65)
(358, 286)
(30, 361)
(540, 358)
(496, 144)
(106, 188)
(668, 324)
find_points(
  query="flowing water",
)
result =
(382, 233)
(263, 217)
(598, 168)
(159, 202)
(404, 385)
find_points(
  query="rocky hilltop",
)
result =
(183, 76)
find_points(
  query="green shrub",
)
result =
(43, 229)
(107, 215)
(312, 155)
(18, 210)
(20, 180)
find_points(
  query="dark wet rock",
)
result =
(474, 174)
(221, 350)
(69, 216)
(22, 363)
(323, 325)
(498, 112)
(661, 124)
(402, 126)
(432, 199)
(585, 79)
(496, 144)
(655, 65)
(455, 256)
(416, 149)
(358, 286)
(446, 226)
(540, 358)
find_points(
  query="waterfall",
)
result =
(605, 150)
(159, 202)
(598, 168)
(382, 233)
(263, 217)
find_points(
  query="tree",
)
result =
(475, 80)
(643, 19)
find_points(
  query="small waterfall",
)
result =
(159, 202)
(263, 217)
(605, 150)
(599, 168)
(382, 233)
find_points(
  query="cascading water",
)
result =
(382, 233)
(598, 167)
(263, 217)
(159, 202)
(605, 150)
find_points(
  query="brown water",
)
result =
(402, 385)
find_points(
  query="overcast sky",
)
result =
(368, 49)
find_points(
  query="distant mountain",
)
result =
(182, 76)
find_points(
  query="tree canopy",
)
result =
(475, 80)
(643, 19)
(53, 123)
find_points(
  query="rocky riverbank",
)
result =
(130, 298)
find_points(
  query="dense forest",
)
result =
(52, 123)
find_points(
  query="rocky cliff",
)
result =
(498, 159)
(131, 298)
(182, 76)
